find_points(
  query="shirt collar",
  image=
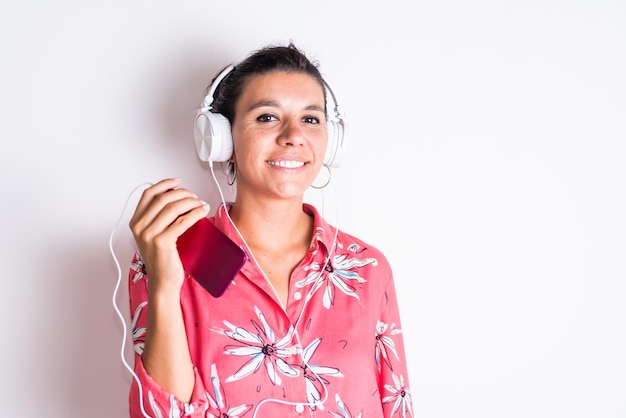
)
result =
(323, 233)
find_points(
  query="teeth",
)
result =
(286, 164)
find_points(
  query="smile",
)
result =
(286, 164)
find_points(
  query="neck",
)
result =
(278, 235)
(274, 226)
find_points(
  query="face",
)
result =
(279, 134)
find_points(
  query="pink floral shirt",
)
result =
(335, 351)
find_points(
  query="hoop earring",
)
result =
(231, 173)
(330, 172)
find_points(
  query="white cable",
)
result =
(295, 326)
(117, 310)
(296, 333)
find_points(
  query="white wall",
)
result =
(488, 163)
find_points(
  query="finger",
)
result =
(178, 215)
(168, 236)
(163, 245)
(156, 189)
(153, 201)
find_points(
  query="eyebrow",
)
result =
(273, 103)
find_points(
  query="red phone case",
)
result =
(210, 257)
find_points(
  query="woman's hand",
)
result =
(163, 213)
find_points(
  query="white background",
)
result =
(487, 161)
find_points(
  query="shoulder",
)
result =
(347, 246)
(356, 248)
(358, 244)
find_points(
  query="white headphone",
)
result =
(213, 138)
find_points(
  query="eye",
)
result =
(266, 117)
(310, 119)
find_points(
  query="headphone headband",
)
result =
(208, 100)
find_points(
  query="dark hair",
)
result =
(265, 60)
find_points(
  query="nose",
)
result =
(291, 132)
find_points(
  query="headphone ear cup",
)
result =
(213, 137)
(337, 145)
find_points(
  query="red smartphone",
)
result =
(209, 256)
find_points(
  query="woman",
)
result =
(310, 325)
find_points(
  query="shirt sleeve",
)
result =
(147, 398)
(390, 358)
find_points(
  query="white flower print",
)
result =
(139, 268)
(401, 397)
(384, 342)
(345, 411)
(337, 274)
(174, 412)
(314, 373)
(263, 348)
(218, 403)
(138, 333)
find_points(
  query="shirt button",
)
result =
(299, 408)
(297, 296)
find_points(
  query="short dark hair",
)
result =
(262, 61)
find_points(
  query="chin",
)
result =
(291, 191)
